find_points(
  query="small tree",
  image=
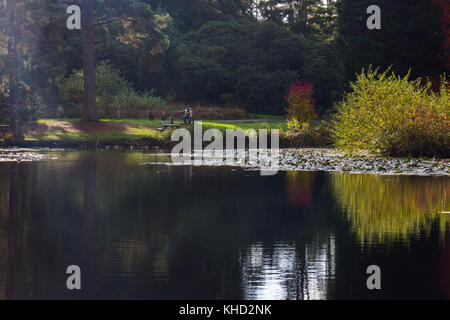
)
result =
(301, 104)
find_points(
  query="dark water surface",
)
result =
(145, 231)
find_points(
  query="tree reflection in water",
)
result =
(289, 271)
(300, 187)
(392, 208)
(298, 269)
(147, 231)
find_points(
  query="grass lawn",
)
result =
(244, 125)
(104, 131)
(126, 130)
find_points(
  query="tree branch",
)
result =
(112, 20)
(76, 2)
(107, 21)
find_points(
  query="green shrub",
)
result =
(4, 108)
(72, 89)
(306, 135)
(7, 138)
(115, 96)
(29, 106)
(294, 125)
(218, 113)
(393, 115)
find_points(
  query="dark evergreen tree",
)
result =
(409, 38)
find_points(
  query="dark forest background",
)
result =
(234, 53)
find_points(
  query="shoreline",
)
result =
(288, 159)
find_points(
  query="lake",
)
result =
(140, 228)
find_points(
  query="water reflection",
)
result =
(146, 231)
(287, 271)
(393, 208)
(445, 267)
(300, 187)
(4, 245)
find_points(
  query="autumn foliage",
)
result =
(394, 115)
(301, 102)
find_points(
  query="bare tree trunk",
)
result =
(13, 67)
(90, 109)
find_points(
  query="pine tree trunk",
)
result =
(13, 67)
(90, 109)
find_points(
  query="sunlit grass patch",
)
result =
(125, 130)
(135, 122)
(245, 125)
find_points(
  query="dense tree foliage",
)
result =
(444, 6)
(236, 61)
(230, 52)
(410, 38)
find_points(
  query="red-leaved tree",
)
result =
(301, 102)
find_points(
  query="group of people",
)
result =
(188, 116)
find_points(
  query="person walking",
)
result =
(188, 115)
(191, 115)
(164, 118)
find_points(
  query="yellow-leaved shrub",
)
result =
(394, 115)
